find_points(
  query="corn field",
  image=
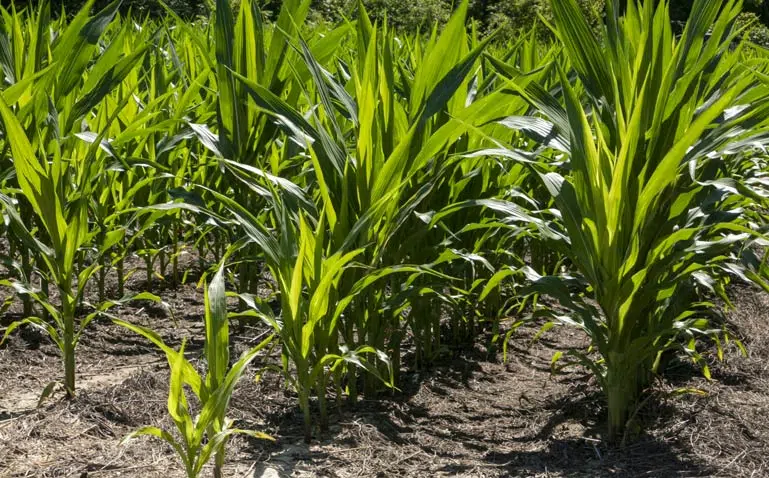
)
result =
(398, 196)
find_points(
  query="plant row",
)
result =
(387, 191)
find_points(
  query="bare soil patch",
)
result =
(469, 415)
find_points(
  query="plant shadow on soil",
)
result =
(467, 415)
(463, 419)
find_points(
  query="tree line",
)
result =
(506, 17)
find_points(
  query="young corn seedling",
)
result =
(205, 435)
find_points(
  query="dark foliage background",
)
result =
(507, 16)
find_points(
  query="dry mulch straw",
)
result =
(468, 416)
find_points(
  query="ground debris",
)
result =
(467, 416)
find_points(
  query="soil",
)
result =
(469, 415)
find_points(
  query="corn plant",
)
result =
(651, 219)
(401, 149)
(54, 167)
(206, 435)
(308, 274)
(68, 231)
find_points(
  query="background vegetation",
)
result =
(509, 16)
